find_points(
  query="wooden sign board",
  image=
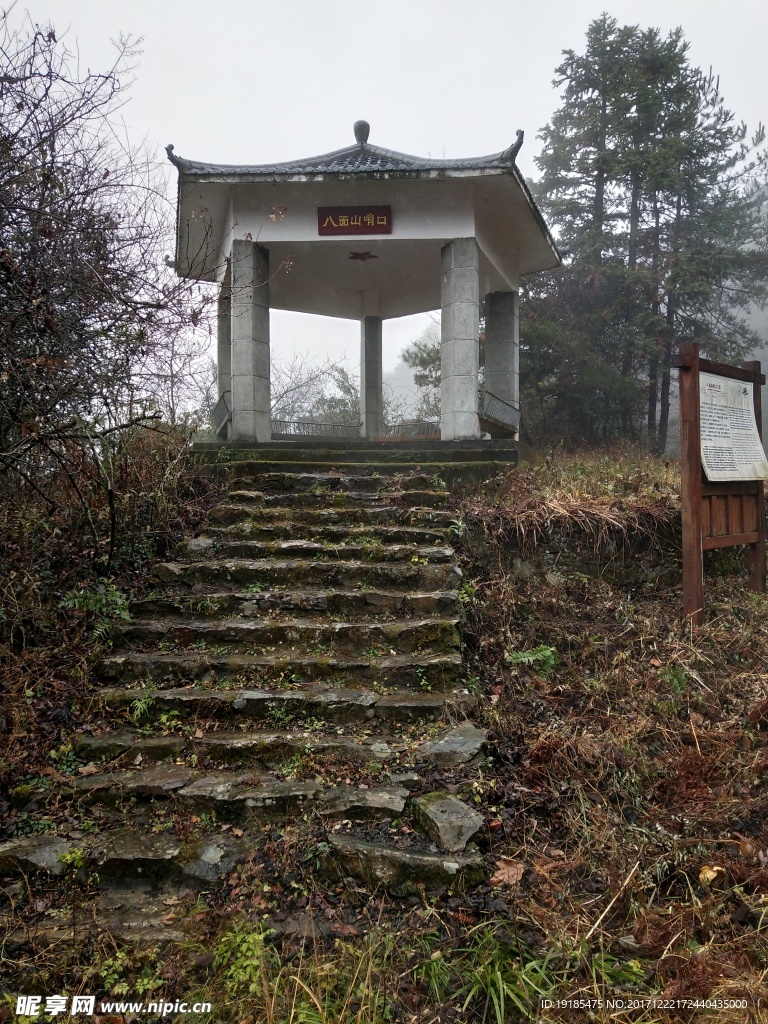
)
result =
(354, 220)
(723, 468)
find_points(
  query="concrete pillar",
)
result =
(224, 338)
(459, 340)
(250, 343)
(371, 394)
(502, 346)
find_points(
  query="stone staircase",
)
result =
(299, 662)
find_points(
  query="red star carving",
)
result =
(362, 256)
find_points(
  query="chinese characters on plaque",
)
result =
(354, 220)
(730, 444)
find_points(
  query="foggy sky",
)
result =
(252, 81)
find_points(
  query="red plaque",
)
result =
(354, 220)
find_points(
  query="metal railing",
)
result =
(412, 428)
(491, 407)
(221, 414)
(300, 428)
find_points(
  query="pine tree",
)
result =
(651, 188)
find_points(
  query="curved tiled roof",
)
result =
(361, 158)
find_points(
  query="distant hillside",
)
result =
(400, 391)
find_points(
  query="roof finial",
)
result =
(362, 130)
(511, 152)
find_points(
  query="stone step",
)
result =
(400, 871)
(352, 604)
(207, 547)
(243, 574)
(127, 744)
(140, 915)
(245, 797)
(323, 483)
(29, 854)
(267, 654)
(244, 492)
(278, 707)
(266, 748)
(129, 855)
(168, 669)
(333, 466)
(259, 636)
(243, 508)
(125, 855)
(139, 910)
(234, 796)
(366, 452)
(358, 475)
(272, 749)
(328, 533)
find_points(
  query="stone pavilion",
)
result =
(366, 233)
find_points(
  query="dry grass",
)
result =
(605, 498)
(629, 776)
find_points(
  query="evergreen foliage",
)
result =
(423, 356)
(654, 192)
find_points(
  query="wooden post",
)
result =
(690, 460)
(756, 552)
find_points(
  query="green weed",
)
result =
(279, 715)
(541, 659)
(101, 605)
(675, 677)
(499, 977)
(423, 678)
(140, 709)
(344, 987)
(65, 759)
(26, 825)
(74, 858)
(458, 528)
(168, 721)
(132, 971)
